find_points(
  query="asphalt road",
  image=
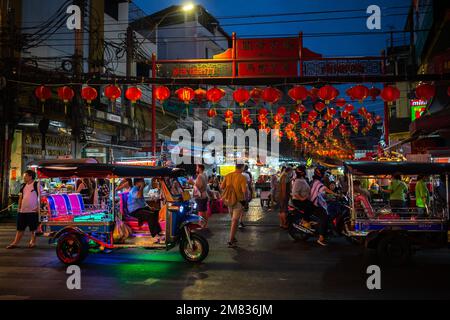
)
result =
(267, 265)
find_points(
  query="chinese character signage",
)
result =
(268, 69)
(341, 67)
(194, 70)
(267, 48)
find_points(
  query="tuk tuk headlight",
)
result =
(181, 209)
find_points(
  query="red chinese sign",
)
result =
(268, 48)
(267, 69)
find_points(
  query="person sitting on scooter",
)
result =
(317, 197)
(300, 195)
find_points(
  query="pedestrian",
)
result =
(300, 194)
(28, 213)
(200, 192)
(422, 196)
(234, 187)
(285, 193)
(397, 195)
(317, 197)
(274, 186)
(248, 194)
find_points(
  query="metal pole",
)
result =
(446, 189)
(233, 54)
(153, 106)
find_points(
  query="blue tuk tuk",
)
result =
(393, 230)
(76, 227)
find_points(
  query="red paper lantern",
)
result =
(378, 119)
(331, 112)
(278, 118)
(228, 114)
(298, 94)
(312, 115)
(295, 118)
(349, 108)
(262, 119)
(360, 92)
(281, 110)
(319, 106)
(374, 93)
(320, 124)
(313, 93)
(133, 94)
(162, 93)
(241, 96)
(66, 94)
(425, 91)
(363, 112)
(340, 102)
(89, 94)
(43, 93)
(300, 109)
(389, 94)
(185, 94)
(256, 94)
(112, 92)
(211, 113)
(214, 95)
(200, 95)
(263, 112)
(349, 92)
(245, 113)
(328, 93)
(271, 95)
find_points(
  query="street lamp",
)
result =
(185, 8)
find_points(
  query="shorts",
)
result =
(202, 205)
(27, 219)
(236, 210)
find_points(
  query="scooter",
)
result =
(337, 224)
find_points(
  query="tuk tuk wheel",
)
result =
(199, 251)
(72, 248)
(394, 250)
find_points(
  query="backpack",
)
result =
(35, 187)
(229, 195)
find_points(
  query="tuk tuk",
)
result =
(77, 225)
(396, 231)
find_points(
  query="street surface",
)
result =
(267, 265)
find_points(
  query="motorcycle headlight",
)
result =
(181, 210)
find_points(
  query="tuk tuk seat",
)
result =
(58, 205)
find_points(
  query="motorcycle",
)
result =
(338, 221)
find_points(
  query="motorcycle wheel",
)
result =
(296, 234)
(199, 251)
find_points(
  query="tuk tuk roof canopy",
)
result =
(76, 169)
(390, 168)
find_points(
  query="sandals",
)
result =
(12, 246)
(31, 246)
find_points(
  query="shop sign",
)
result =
(194, 70)
(113, 118)
(56, 145)
(268, 69)
(418, 107)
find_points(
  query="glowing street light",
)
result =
(188, 7)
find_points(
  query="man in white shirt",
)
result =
(28, 214)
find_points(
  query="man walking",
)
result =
(28, 213)
(234, 187)
(248, 194)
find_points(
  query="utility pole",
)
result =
(75, 122)
(10, 17)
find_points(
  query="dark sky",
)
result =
(393, 17)
(351, 16)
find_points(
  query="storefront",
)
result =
(27, 147)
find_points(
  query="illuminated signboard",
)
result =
(195, 70)
(418, 106)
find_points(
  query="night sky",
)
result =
(394, 14)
